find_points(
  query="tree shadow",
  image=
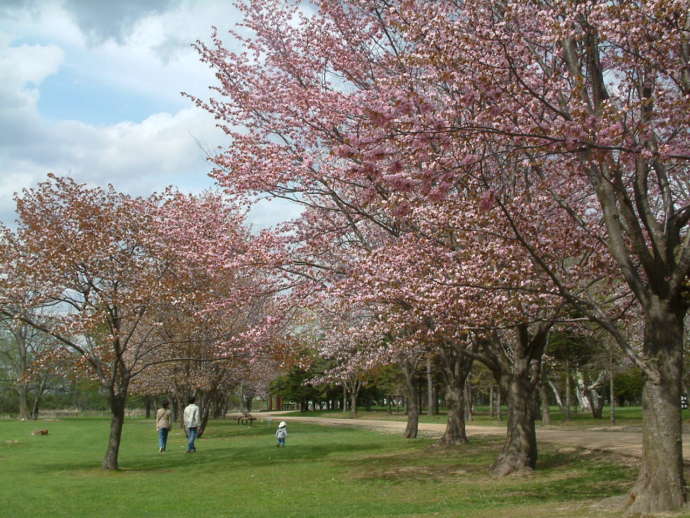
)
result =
(232, 457)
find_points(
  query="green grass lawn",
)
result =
(323, 472)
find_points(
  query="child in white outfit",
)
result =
(281, 434)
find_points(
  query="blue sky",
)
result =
(91, 89)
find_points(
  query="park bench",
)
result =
(246, 419)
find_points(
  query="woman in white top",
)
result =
(191, 424)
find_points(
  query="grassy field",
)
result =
(323, 472)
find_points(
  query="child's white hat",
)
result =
(282, 424)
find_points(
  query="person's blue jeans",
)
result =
(281, 442)
(191, 437)
(163, 438)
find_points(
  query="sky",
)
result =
(91, 89)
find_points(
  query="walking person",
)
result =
(281, 434)
(163, 425)
(191, 424)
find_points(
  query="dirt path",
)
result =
(614, 439)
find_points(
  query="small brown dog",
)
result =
(40, 432)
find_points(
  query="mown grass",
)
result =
(323, 472)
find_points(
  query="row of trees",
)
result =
(120, 290)
(477, 179)
(584, 389)
(476, 176)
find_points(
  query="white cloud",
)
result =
(136, 157)
(44, 20)
(147, 52)
(22, 69)
(30, 63)
(144, 52)
(157, 58)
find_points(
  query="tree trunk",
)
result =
(180, 399)
(23, 393)
(437, 389)
(567, 391)
(491, 401)
(520, 380)
(455, 367)
(660, 485)
(544, 400)
(596, 401)
(583, 401)
(174, 407)
(412, 426)
(205, 413)
(455, 432)
(353, 402)
(499, 415)
(468, 401)
(420, 399)
(519, 452)
(589, 393)
(611, 387)
(557, 396)
(38, 396)
(117, 420)
(429, 388)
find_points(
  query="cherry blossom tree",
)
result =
(314, 95)
(593, 94)
(109, 264)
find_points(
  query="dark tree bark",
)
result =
(491, 401)
(412, 426)
(117, 408)
(35, 408)
(519, 452)
(660, 484)
(612, 392)
(204, 411)
(429, 387)
(455, 367)
(469, 409)
(38, 396)
(518, 375)
(353, 403)
(20, 332)
(437, 389)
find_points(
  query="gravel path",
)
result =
(616, 439)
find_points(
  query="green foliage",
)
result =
(293, 386)
(625, 416)
(628, 386)
(577, 348)
(334, 472)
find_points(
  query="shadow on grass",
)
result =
(216, 459)
(231, 430)
(558, 478)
